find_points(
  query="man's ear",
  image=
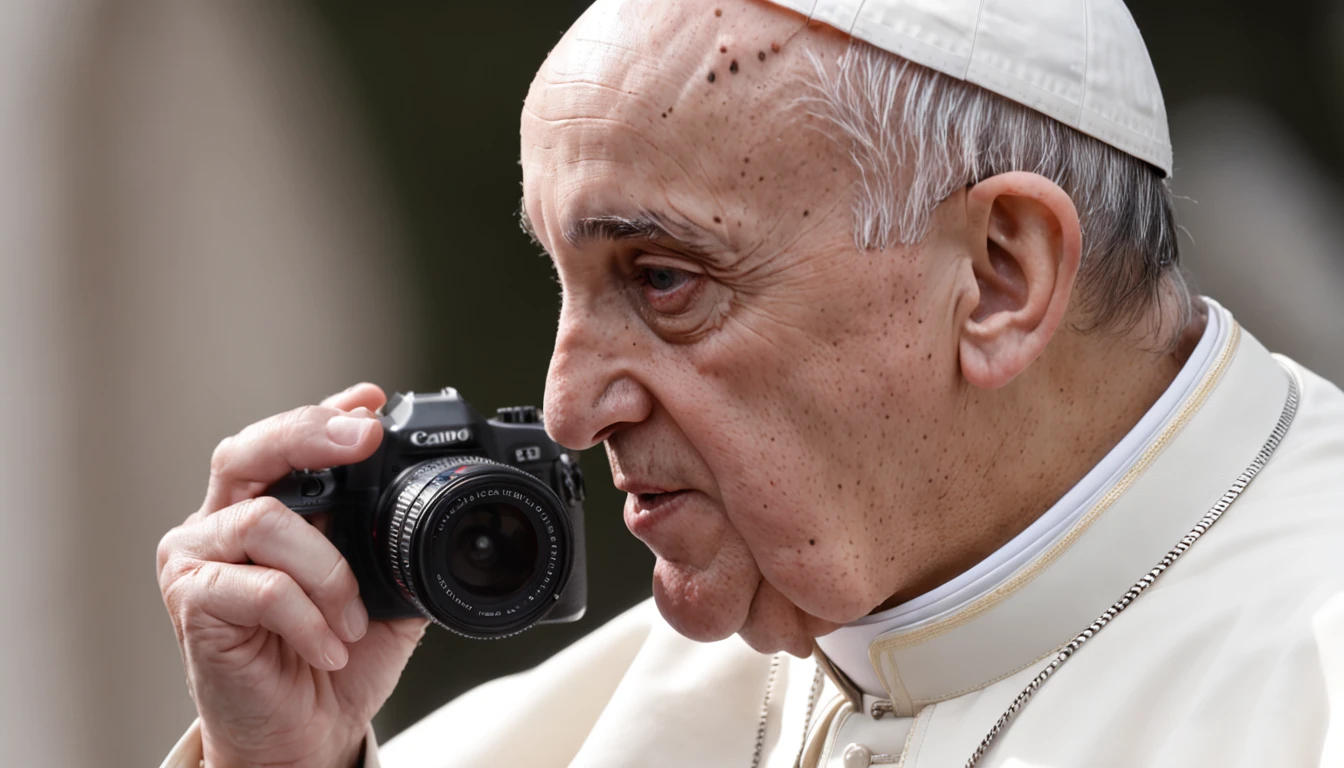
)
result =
(1025, 243)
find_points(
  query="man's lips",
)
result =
(646, 511)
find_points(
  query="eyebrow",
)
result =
(643, 225)
(640, 227)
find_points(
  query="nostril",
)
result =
(611, 430)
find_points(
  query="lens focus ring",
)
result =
(406, 513)
(481, 548)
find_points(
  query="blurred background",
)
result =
(212, 212)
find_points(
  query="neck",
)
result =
(1043, 432)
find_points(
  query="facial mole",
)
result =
(723, 49)
(774, 47)
(760, 55)
(804, 212)
(711, 77)
(718, 11)
(718, 220)
(732, 67)
(813, 542)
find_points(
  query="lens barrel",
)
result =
(481, 548)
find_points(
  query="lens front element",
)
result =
(481, 548)
(493, 550)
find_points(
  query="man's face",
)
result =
(771, 397)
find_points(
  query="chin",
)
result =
(775, 624)
(794, 644)
(700, 608)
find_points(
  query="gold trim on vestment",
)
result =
(1031, 570)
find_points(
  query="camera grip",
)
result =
(308, 491)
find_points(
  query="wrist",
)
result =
(345, 752)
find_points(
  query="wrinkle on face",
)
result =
(779, 412)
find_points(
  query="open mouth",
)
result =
(645, 513)
(651, 501)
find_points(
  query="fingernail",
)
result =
(356, 618)
(348, 430)
(333, 650)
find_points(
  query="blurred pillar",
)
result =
(42, 662)
(195, 239)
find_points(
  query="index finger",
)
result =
(361, 395)
(311, 437)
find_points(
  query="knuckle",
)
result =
(176, 582)
(167, 546)
(261, 518)
(338, 585)
(222, 456)
(209, 577)
(274, 588)
(299, 422)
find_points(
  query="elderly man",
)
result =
(876, 309)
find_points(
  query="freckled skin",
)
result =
(812, 397)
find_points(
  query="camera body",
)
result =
(476, 524)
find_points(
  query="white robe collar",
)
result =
(1029, 598)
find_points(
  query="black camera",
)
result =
(475, 524)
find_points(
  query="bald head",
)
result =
(700, 97)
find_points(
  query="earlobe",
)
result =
(1025, 244)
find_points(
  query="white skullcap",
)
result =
(1081, 62)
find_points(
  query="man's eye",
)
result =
(664, 278)
(668, 291)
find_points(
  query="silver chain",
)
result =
(1206, 522)
(765, 712)
(812, 696)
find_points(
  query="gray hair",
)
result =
(917, 135)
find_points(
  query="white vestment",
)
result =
(1234, 657)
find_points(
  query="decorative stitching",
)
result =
(1286, 418)
(1029, 572)
(975, 38)
(887, 669)
(910, 738)
(998, 679)
(855, 20)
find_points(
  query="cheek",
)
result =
(816, 553)
(815, 438)
(790, 479)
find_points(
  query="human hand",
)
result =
(280, 656)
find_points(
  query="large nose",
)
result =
(593, 386)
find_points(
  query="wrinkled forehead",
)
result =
(695, 99)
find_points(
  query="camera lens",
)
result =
(481, 548)
(492, 550)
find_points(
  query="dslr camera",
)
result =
(475, 524)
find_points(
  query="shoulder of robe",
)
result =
(537, 718)
(1288, 527)
(1282, 541)
(1235, 657)
(1254, 614)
